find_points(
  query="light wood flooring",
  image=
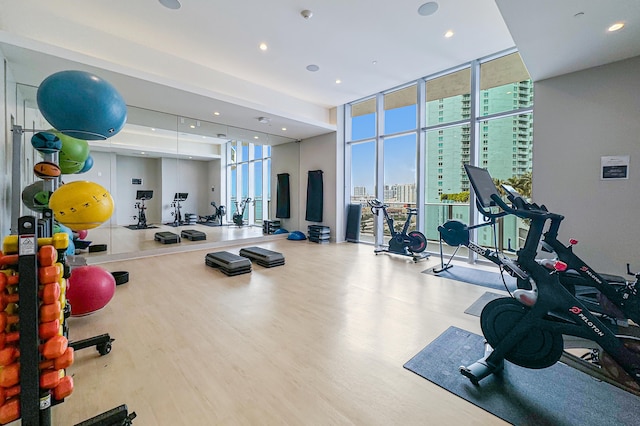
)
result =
(318, 341)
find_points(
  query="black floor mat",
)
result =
(558, 395)
(135, 227)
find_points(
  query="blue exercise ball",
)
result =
(88, 164)
(81, 105)
(46, 143)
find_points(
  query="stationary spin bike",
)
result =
(177, 215)
(411, 244)
(542, 318)
(238, 216)
(142, 196)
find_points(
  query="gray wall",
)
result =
(580, 117)
(319, 153)
(285, 158)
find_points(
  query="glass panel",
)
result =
(363, 120)
(506, 151)
(400, 110)
(244, 152)
(244, 173)
(257, 149)
(399, 178)
(447, 186)
(257, 187)
(505, 85)
(268, 181)
(363, 178)
(448, 98)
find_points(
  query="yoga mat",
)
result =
(476, 277)
(135, 227)
(558, 395)
(283, 203)
(314, 196)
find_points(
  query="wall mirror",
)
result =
(173, 170)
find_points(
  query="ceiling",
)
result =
(204, 57)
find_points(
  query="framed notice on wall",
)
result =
(614, 167)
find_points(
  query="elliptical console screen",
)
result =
(482, 184)
(144, 195)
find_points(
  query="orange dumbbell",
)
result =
(49, 274)
(6, 338)
(10, 375)
(9, 354)
(64, 388)
(50, 312)
(47, 330)
(50, 293)
(10, 411)
(5, 299)
(7, 280)
(9, 393)
(54, 347)
(6, 320)
(49, 379)
(59, 363)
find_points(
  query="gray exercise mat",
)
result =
(476, 308)
(558, 395)
(476, 276)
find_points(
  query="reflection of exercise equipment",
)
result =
(177, 216)
(238, 216)
(142, 217)
(218, 214)
(403, 243)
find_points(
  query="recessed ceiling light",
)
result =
(615, 27)
(312, 68)
(263, 46)
(428, 8)
(338, 81)
(153, 130)
(284, 129)
(264, 120)
(374, 62)
(171, 4)
(448, 34)
(216, 113)
(256, 137)
(190, 158)
(193, 126)
(142, 152)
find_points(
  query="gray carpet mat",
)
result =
(475, 276)
(558, 395)
(476, 308)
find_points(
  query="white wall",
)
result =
(146, 169)
(580, 117)
(285, 158)
(319, 153)
(193, 178)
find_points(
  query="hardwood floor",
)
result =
(318, 341)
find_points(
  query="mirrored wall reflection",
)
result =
(165, 173)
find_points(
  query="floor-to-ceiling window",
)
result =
(479, 113)
(248, 171)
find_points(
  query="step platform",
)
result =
(228, 263)
(193, 235)
(263, 257)
(167, 237)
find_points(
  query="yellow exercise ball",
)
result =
(81, 205)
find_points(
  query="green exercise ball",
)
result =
(73, 154)
(35, 197)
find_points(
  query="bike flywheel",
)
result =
(537, 349)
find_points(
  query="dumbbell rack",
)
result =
(35, 404)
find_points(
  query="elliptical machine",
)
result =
(528, 329)
(142, 196)
(238, 216)
(411, 244)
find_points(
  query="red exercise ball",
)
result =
(90, 289)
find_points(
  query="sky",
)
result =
(399, 152)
